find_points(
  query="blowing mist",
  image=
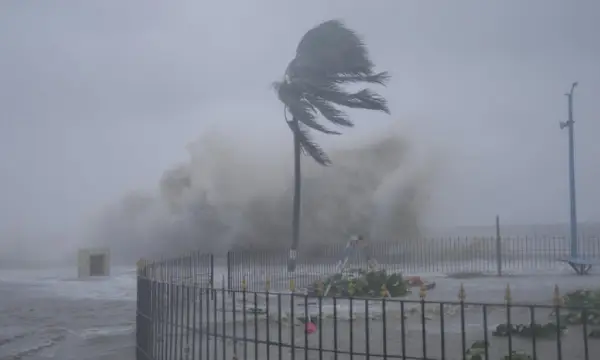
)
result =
(226, 197)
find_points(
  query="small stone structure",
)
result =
(93, 262)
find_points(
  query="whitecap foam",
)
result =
(93, 333)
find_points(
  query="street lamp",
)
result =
(569, 124)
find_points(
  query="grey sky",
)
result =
(100, 97)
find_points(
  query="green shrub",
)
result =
(583, 298)
(588, 299)
(536, 330)
(363, 284)
(518, 355)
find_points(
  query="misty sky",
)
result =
(98, 98)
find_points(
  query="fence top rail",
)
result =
(557, 302)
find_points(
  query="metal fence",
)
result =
(183, 320)
(195, 268)
(450, 255)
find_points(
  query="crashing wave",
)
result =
(227, 197)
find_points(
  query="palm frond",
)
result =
(331, 48)
(307, 145)
(328, 56)
(363, 99)
(379, 78)
(300, 108)
(329, 111)
(325, 80)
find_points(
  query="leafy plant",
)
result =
(533, 330)
(594, 334)
(583, 298)
(363, 284)
(518, 355)
(585, 307)
(477, 350)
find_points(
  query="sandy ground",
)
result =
(51, 315)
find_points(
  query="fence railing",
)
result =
(451, 255)
(184, 320)
(196, 268)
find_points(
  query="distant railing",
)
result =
(180, 319)
(491, 255)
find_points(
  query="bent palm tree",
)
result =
(328, 57)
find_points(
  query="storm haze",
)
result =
(164, 112)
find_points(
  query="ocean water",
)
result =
(50, 314)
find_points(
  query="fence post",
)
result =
(498, 247)
(229, 254)
(212, 271)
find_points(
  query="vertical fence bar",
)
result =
(307, 320)
(223, 321)
(279, 330)
(204, 329)
(233, 314)
(182, 329)
(584, 317)
(187, 316)
(166, 306)
(194, 295)
(533, 338)
(215, 335)
(292, 322)
(173, 307)
(335, 329)
(212, 270)
(244, 319)
(229, 270)
(442, 332)
(557, 300)
(156, 320)
(177, 310)
(485, 332)
(384, 327)
(268, 318)
(138, 316)
(256, 339)
(463, 337)
(403, 329)
(422, 294)
(367, 330)
(320, 323)
(351, 326)
(498, 247)
(206, 291)
(508, 302)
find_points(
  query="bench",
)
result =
(580, 265)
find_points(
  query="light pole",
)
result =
(570, 123)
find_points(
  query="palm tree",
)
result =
(328, 57)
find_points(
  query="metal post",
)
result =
(212, 271)
(573, 219)
(229, 254)
(498, 247)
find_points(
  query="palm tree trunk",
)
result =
(296, 206)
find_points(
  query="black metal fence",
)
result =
(182, 320)
(493, 255)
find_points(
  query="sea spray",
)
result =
(230, 196)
